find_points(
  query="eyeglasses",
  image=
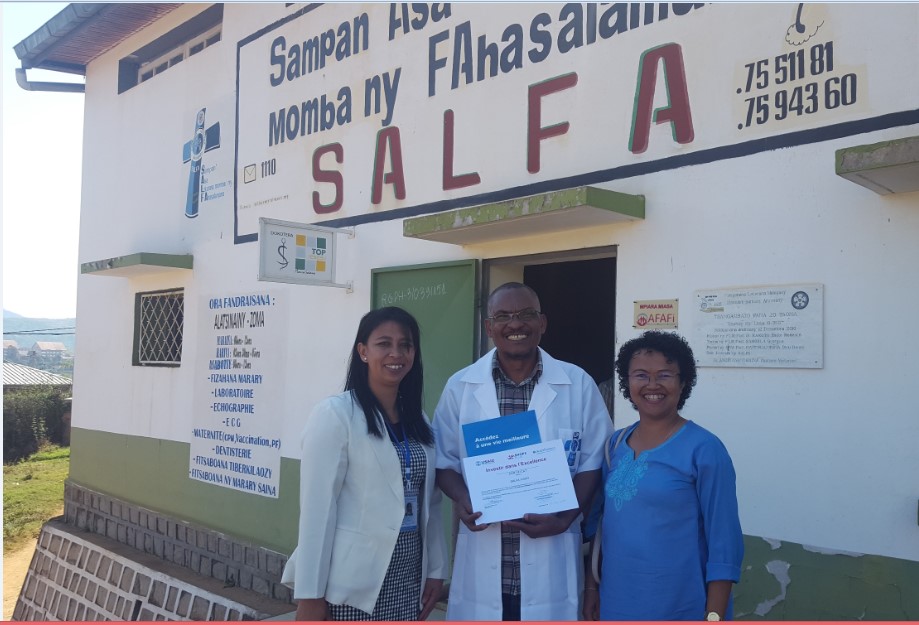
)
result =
(663, 377)
(525, 316)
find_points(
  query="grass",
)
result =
(33, 492)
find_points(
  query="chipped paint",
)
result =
(448, 225)
(831, 552)
(782, 580)
(779, 570)
(775, 544)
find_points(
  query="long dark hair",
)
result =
(411, 388)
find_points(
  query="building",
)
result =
(10, 349)
(746, 174)
(47, 352)
(16, 376)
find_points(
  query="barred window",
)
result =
(159, 318)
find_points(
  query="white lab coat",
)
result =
(565, 399)
(351, 508)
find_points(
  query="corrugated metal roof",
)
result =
(21, 375)
(83, 31)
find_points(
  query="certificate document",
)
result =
(506, 485)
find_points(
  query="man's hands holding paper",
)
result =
(509, 484)
(541, 525)
(469, 518)
(454, 486)
(532, 524)
(512, 477)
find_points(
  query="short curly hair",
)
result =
(673, 347)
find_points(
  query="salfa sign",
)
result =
(352, 113)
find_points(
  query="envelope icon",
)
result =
(249, 173)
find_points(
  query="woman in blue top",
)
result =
(671, 541)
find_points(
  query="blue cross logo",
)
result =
(202, 141)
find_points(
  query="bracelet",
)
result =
(591, 588)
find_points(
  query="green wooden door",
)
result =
(442, 297)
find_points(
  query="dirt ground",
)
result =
(15, 566)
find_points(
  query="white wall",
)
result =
(824, 457)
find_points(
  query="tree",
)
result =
(32, 416)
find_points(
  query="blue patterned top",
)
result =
(670, 525)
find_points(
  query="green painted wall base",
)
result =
(153, 473)
(780, 580)
(784, 581)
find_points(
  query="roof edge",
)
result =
(32, 50)
(82, 31)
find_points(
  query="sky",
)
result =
(42, 136)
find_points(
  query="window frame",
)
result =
(204, 29)
(139, 327)
(172, 57)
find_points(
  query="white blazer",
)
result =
(351, 508)
(566, 400)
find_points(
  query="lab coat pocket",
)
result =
(572, 441)
(476, 572)
(550, 570)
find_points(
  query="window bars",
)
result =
(160, 322)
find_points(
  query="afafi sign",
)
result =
(351, 113)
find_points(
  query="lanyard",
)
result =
(406, 451)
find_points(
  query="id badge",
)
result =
(410, 520)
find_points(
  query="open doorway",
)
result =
(577, 292)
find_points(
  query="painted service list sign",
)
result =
(236, 434)
(762, 326)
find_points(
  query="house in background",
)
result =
(10, 350)
(746, 174)
(47, 352)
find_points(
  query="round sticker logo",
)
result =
(800, 300)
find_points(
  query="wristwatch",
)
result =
(712, 616)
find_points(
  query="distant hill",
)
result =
(21, 329)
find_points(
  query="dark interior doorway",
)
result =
(577, 292)
(579, 300)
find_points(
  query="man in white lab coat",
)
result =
(528, 569)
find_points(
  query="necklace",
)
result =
(679, 421)
(676, 425)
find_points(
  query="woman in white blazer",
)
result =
(371, 544)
